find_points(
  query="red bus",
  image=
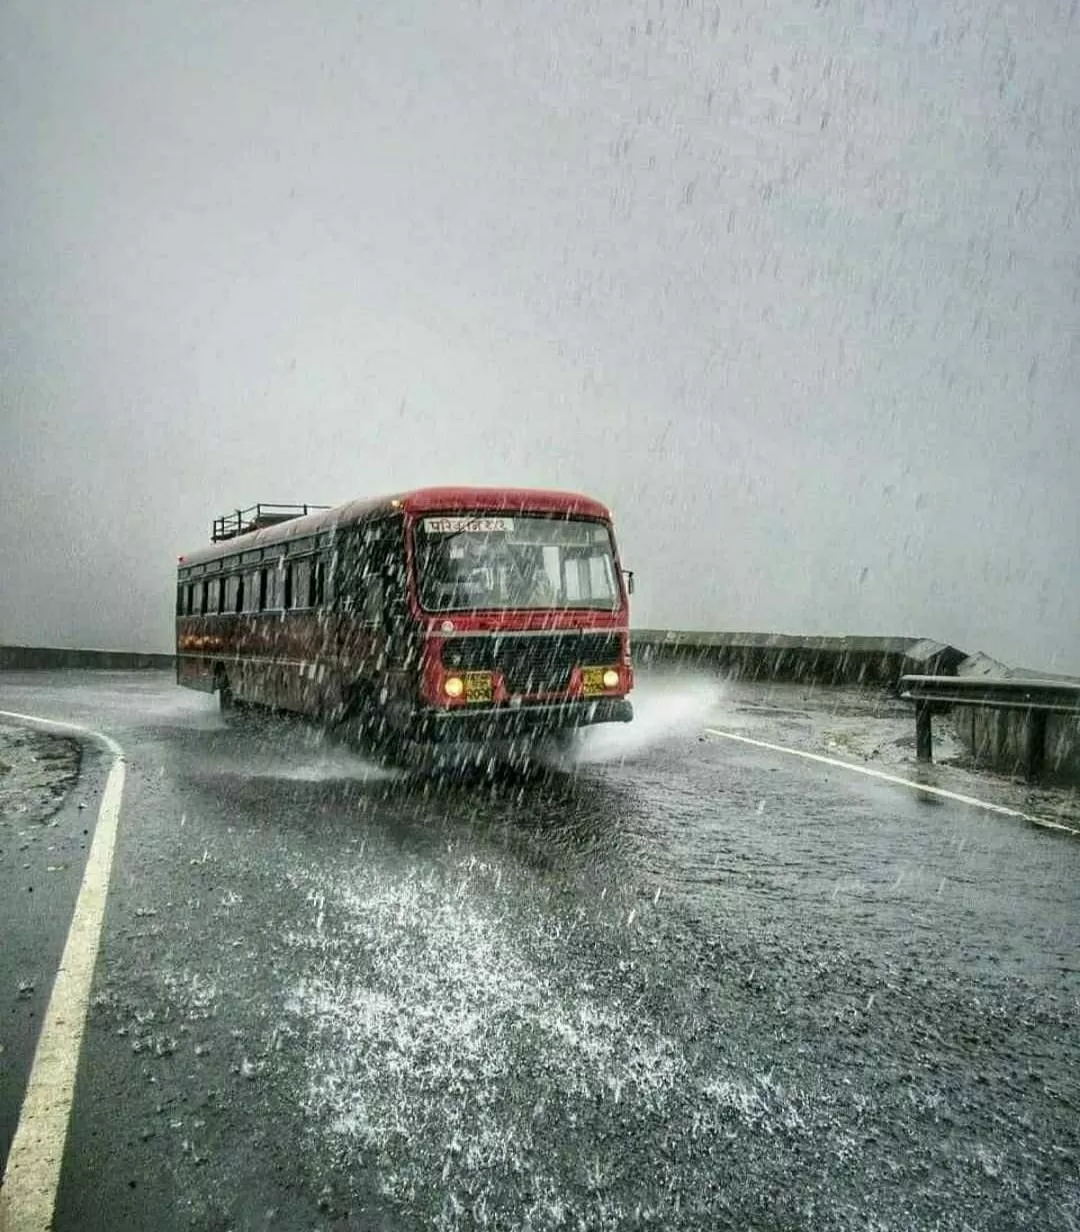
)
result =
(471, 614)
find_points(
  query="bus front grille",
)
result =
(536, 663)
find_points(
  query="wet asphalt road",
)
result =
(703, 987)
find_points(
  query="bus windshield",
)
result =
(468, 562)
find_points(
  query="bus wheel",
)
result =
(566, 741)
(366, 729)
(226, 701)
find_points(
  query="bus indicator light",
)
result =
(599, 680)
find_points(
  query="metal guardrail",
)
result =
(1034, 697)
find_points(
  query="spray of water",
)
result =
(666, 709)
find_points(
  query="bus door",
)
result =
(375, 625)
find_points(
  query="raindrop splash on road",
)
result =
(444, 1042)
(329, 766)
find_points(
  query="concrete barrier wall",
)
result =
(41, 657)
(823, 660)
(997, 739)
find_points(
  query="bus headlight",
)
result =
(454, 687)
(611, 679)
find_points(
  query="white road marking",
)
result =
(894, 778)
(29, 1184)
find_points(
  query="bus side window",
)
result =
(220, 605)
(252, 591)
(239, 607)
(180, 600)
(275, 586)
(318, 583)
(301, 583)
(287, 600)
(347, 565)
(374, 596)
(263, 589)
(384, 583)
(191, 598)
(204, 598)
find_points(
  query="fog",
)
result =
(795, 287)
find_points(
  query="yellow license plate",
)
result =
(478, 687)
(592, 679)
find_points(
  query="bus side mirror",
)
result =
(629, 575)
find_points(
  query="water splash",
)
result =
(666, 709)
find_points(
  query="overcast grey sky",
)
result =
(793, 285)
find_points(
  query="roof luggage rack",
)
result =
(257, 517)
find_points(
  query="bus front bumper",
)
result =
(506, 721)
